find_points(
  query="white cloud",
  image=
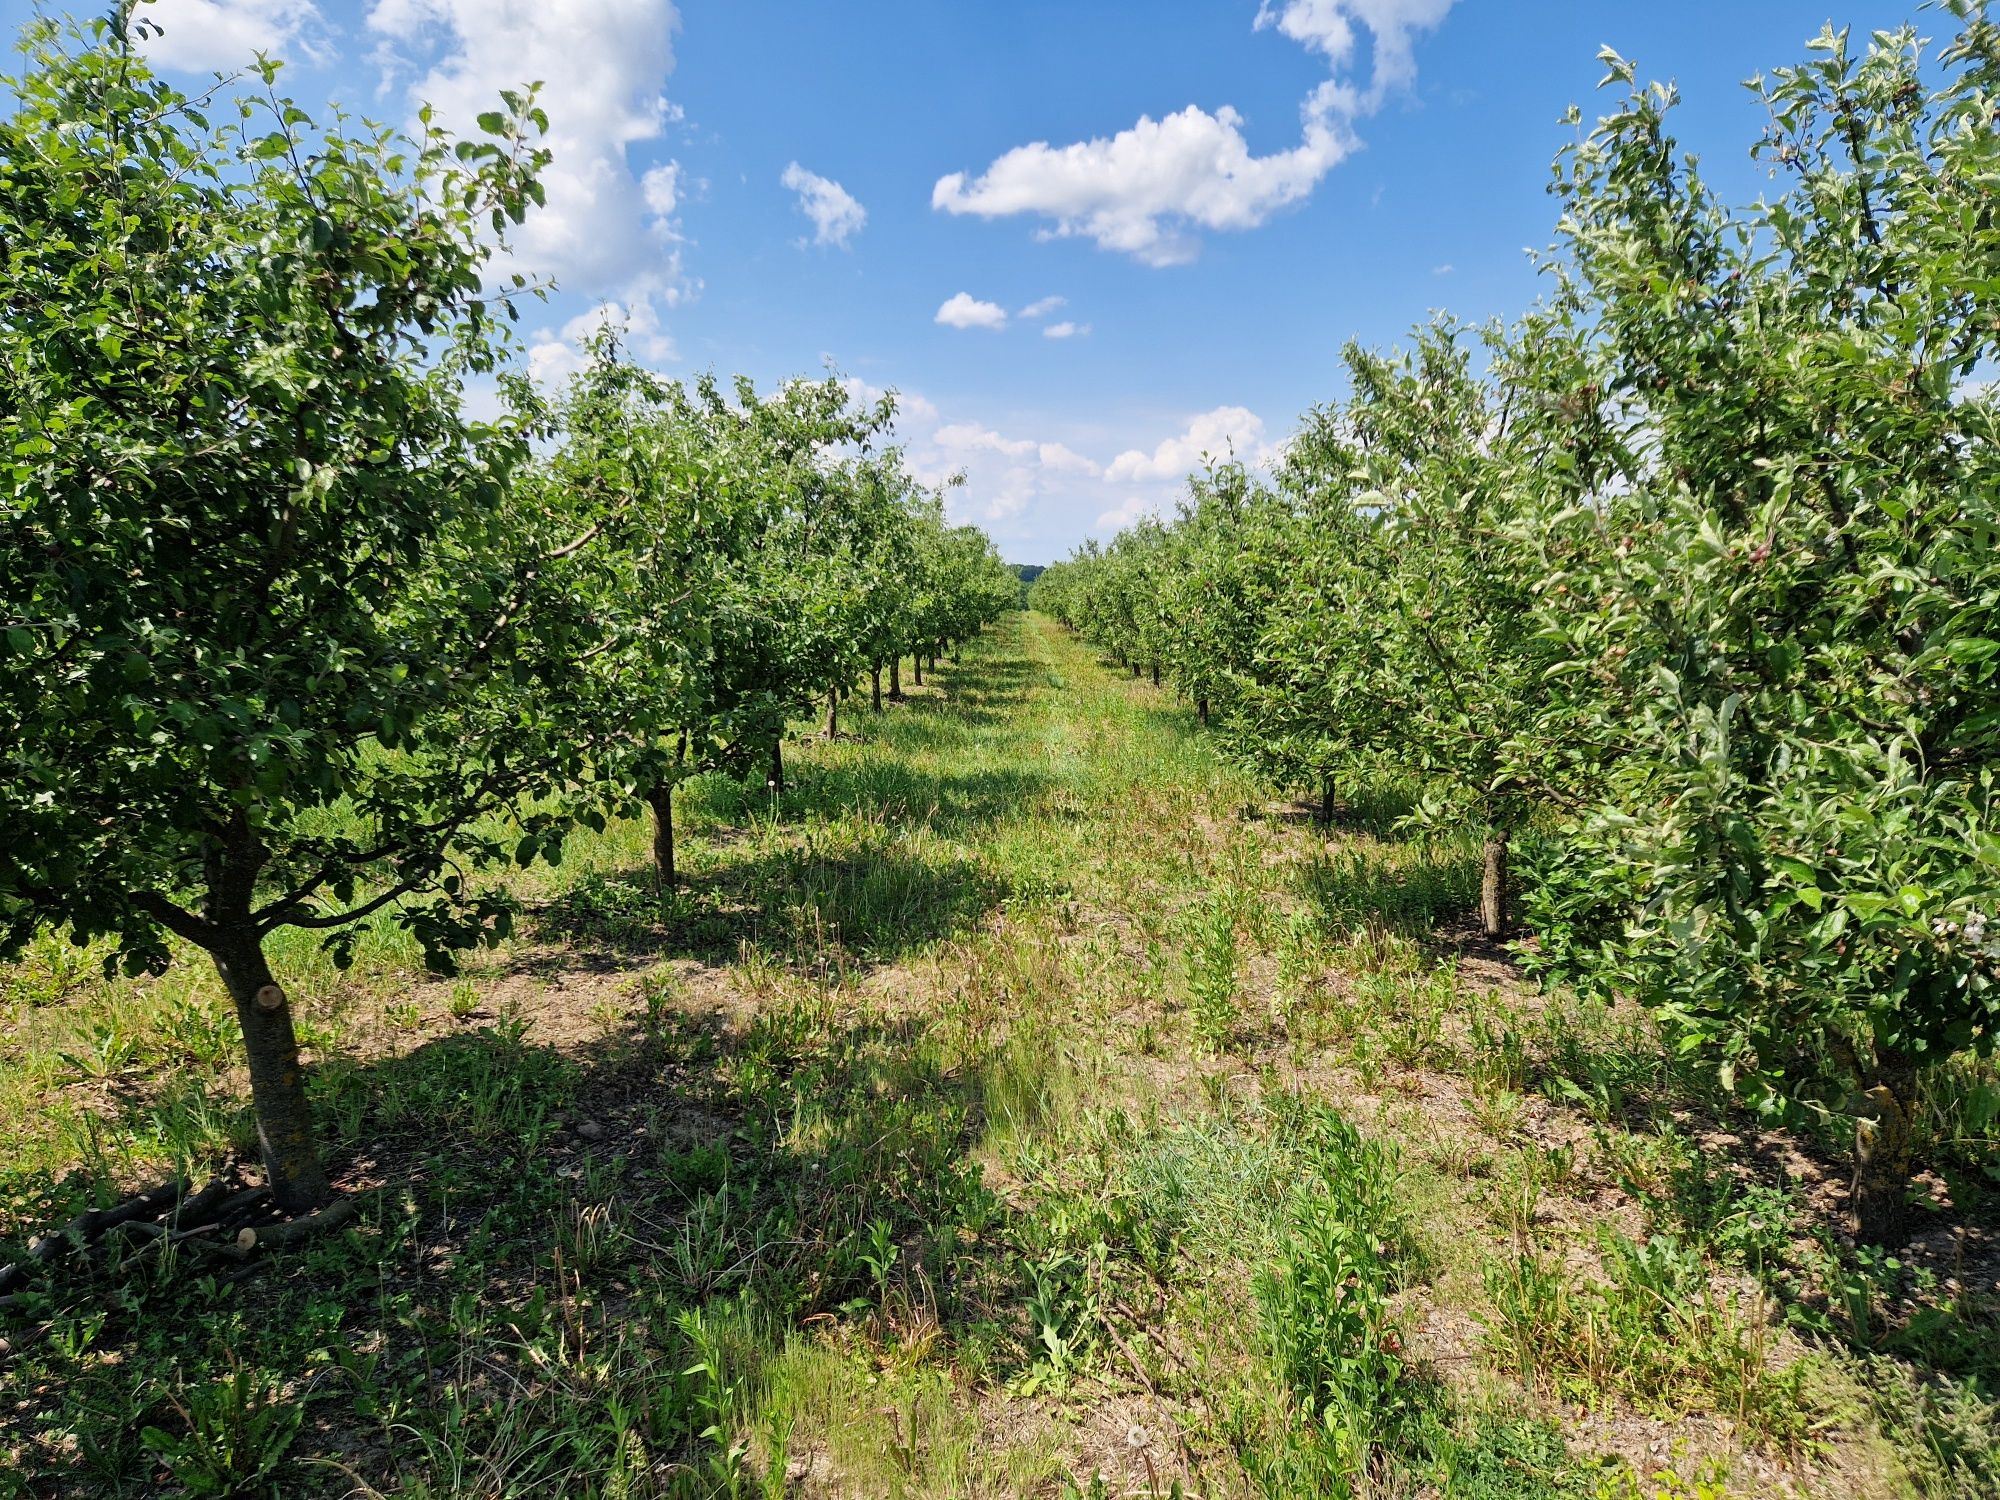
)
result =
(1147, 189)
(963, 310)
(1042, 307)
(1041, 493)
(1008, 479)
(1222, 433)
(661, 188)
(554, 357)
(966, 438)
(1444, 270)
(1065, 330)
(911, 408)
(1327, 27)
(1136, 191)
(605, 231)
(1127, 511)
(222, 35)
(835, 213)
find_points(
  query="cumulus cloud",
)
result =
(911, 408)
(835, 213)
(1136, 191)
(222, 35)
(1065, 330)
(1045, 490)
(607, 230)
(1148, 189)
(1225, 432)
(1005, 477)
(1042, 307)
(963, 310)
(555, 356)
(1327, 27)
(1130, 509)
(1046, 487)
(661, 188)
(970, 437)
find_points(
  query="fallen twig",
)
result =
(89, 1227)
(276, 1236)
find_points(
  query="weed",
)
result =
(1404, 890)
(1065, 1317)
(1212, 972)
(236, 1434)
(110, 1051)
(463, 1001)
(1325, 1305)
(1655, 1331)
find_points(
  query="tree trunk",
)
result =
(875, 687)
(776, 783)
(1135, 671)
(292, 1167)
(1325, 818)
(895, 679)
(833, 715)
(1493, 914)
(661, 799)
(1156, 674)
(917, 661)
(1882, 1156)
(1201, 710)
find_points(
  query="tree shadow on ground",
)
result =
(1412, 892)
(660, 1209)
(982, 689)
(874, 904)
(956, 804)
(1378, 812)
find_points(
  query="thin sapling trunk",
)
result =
(1494, 916)
(292, 1165)
(661, 799)
(1883, 1154)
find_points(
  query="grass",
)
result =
(1027, 1104)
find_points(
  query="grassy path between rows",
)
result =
(1026, 1106)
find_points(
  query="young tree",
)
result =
(1211, 608)
(672, 508)
(1452, 466)
(1786, 659)
(270, 636)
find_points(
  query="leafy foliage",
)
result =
(1690, 579)
(287, 638)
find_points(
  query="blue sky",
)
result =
(1220, 193)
